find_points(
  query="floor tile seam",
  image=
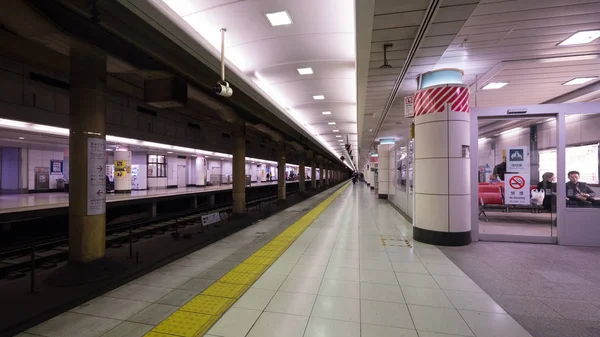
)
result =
(309, 215)
(90, 315)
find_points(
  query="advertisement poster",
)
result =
(517, 189)
(121, 168)
(96, 186)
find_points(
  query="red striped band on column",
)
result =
(433, 100)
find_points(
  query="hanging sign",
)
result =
(96, 176)
(517, 189)
(517, 159)
(409, 107)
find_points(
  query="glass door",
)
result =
(516, 184)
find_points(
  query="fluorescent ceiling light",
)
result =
(305, 71)
(331, 123)
(318, 97)
(510, 131)
(340, 140)
(580, 80)
(494, 85)
(338, 136)
(21, 138)
(326, 112)
(279, 18)
(482, 139)
(336, 130)
(582, 37)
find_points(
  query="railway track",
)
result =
(46, 252)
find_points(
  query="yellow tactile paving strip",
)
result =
(198, 315)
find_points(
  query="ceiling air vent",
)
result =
(147, 111)
(49, 81)
(166, 92)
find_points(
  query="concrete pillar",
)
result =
(281, 171)
(200, 176)
(239, 168)
(442, 213)
(302, 173)
(313, 170)
(87, 150)
(321, 171)
(122, 177)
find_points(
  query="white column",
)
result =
(200, 171)
(122, 171)
(383, 174)
(190, 167)
(442, 179)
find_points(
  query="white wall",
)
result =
(41, 158)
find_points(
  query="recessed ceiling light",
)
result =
(580, 80)
(305, 71)
(21, 138)
(318, 97)
(281, 18)
(582, 37)
(169, 152)
(331, 123)
(338, 136)
(370, 130)
(494, 85)
(336, 130)
(326, 112)
(340, 140)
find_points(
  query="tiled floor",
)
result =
(337, 279)
(553, 291)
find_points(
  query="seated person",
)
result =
(494, 178)
(549, 187)
(579, 194)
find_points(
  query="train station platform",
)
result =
(336, 264)
(11, 203)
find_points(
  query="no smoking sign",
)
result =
(516, 189)
(516, 182)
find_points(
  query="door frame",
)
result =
(560, 111)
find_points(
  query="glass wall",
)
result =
(401, 176)
(582, 188)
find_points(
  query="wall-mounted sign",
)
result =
(517, 159)
(517, 189)
(56, 166)
(409, 108)
(96, 167)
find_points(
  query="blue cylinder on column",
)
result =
(442, 160)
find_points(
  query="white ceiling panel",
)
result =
(321, 37)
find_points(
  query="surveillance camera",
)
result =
(223, 89)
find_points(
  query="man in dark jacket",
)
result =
(579, 194)
(500, 170)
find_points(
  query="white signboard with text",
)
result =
(409, 108)
(517, 159)
(96, 176)
(516, 187)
